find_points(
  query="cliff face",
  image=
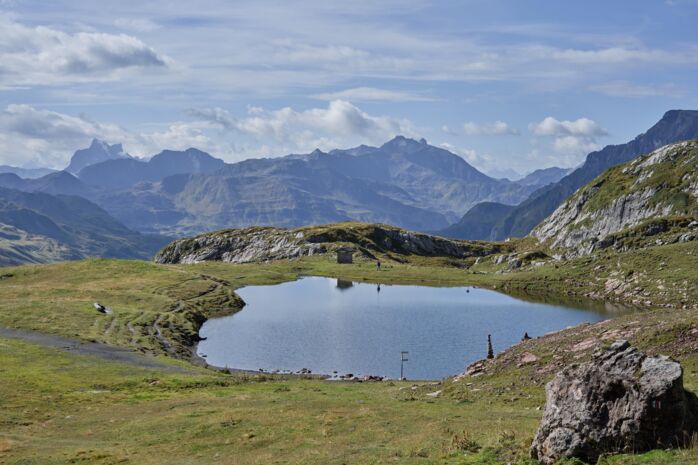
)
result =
(264, 244)
(662, 184)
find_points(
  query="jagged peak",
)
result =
(403, 143)
(113, 149)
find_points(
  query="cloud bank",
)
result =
(31, 56)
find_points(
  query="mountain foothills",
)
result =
(490, 222)
(38, 227)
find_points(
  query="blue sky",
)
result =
(508, 85)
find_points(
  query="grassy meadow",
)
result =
(60, 407)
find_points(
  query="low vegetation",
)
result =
(61, 407)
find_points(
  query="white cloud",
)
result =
(44, 55)
(38, 137)
(498, 128)
(580, 127)
(571, 139)
(367, 94)
(340, 124)
(630, 89)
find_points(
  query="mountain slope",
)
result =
(478, 222)
(58, 182)
(69, 227)
(661, 185)
(675, 126)
(544, 176)
(266, 243)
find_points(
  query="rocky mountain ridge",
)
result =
(498, 224)
(662, 184)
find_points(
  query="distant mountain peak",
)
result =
(404, 144)
(97, 152)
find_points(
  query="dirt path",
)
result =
(94, 349)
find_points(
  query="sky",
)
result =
(510, 86)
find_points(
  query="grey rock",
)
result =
(264, 244)
(621, 401)
(587, 221)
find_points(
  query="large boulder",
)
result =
(621, 401)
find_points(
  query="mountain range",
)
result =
(129, 204)
(499, 221)
(404, 182)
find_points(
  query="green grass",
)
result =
(61, 408)
(64, 408)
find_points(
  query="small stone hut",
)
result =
(345, 255)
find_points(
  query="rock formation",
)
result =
(621, 401)
(265, 243)
(661, 184)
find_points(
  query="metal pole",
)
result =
(403, 359)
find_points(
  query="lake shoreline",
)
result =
(346, 291)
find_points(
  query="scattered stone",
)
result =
(527, 358)
(621, 401)
(434, 394)
(476, 368)
(584, 345)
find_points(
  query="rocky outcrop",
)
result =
(621, 401)
(239, 246)
(265, 244)
(661, 184)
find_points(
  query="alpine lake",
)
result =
(335, 327)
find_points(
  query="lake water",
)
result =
(329, 325)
